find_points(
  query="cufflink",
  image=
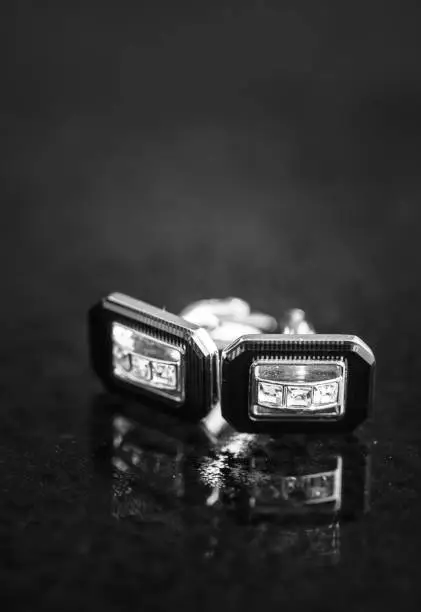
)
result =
(295, 492)
(145, 351)
(295, 382)
(218, 353)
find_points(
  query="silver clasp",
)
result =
(228, 319)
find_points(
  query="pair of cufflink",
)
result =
(219, 354)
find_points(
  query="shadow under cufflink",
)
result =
(155, 429)
(141, 452)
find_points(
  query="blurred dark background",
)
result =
(175, 151)
(180, 150)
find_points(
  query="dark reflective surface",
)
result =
(289, 495)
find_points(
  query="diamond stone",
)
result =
(122, 359)
(164, 374)
(148, 361)
(292, 388)
(269, 394)
(299, 397)
(141, 367)
(325, 394)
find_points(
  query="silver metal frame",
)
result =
(178, 393)
(285, 412)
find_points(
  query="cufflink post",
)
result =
(226, 320)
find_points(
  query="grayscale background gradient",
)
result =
(175, 151)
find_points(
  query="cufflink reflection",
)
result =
(147, 479)
(141, 454)
(297, 492)
(292, 477)
(292, 494)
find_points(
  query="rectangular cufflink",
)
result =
(146, 351)
(297, 383)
